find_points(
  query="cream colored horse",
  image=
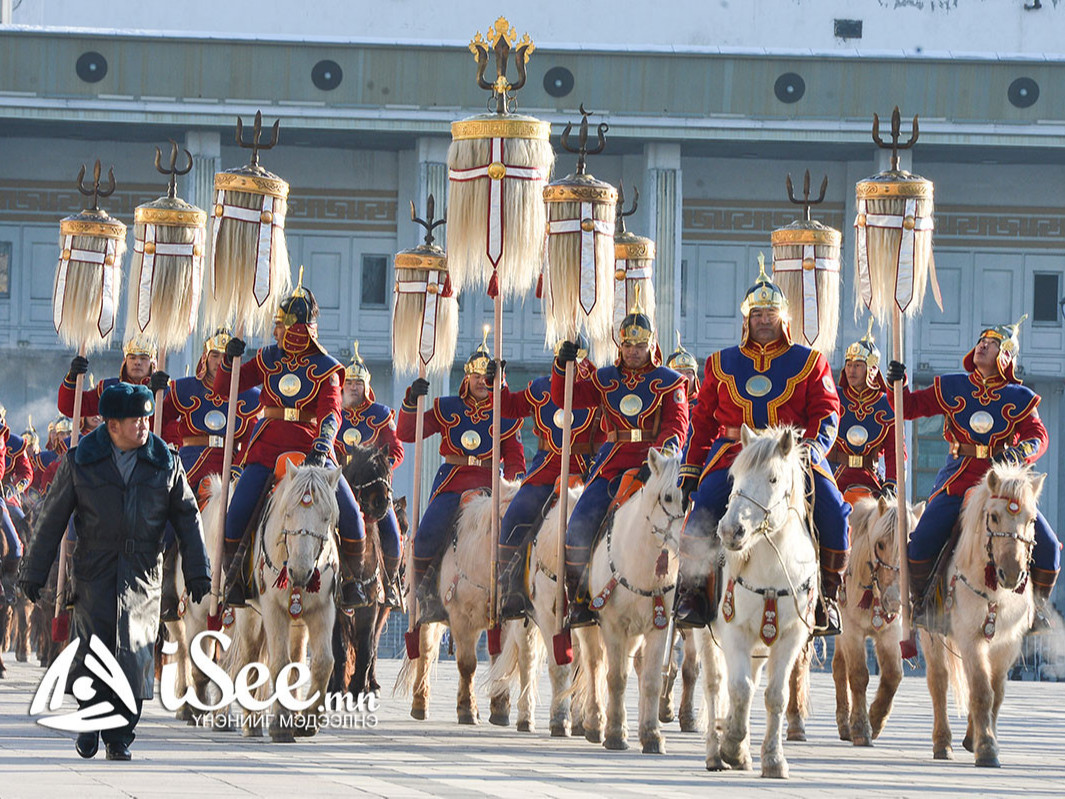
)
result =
(989, 607)
(870, 610)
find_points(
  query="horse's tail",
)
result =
(405, 685)
(959, 685)
(581, 684)
(507, 667)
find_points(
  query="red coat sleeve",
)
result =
(1032, 437)
(918, 404)
(23, 472)
(585, 393)
(405, 425)
(90, 399)
(515, 406)
(391, 442)
(3, 451)
(513, 455)
(251, 375)
(673, 427)
(327, 408)
(705, 427)
(822, 405)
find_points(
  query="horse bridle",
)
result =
(765, 527)
(359, 488)
(1028, 542)
(664, 533)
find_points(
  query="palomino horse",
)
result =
(989, 607)
(767, 607)
(632, 576)
(870, 609)
(464, 589)
(523, 648)
(355, 635)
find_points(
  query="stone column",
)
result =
(663, 206)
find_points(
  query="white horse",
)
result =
(870, 609)
(632, 576)
(524, 650)
(766, 611)
(464, 580)
(989, 606)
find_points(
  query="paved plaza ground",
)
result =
(404, 757)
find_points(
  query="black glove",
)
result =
(490, 371)
(235, 348)
(567, 351)
(159, 381)
(895, 371)
(314, 458)
(199, 588)
(419, 388)
(79, 365)
(644, 474)
(30, 589)
(688, 486)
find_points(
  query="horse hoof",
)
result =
(21, 657)
(252, 732)
(577, 730)
(616, 743)
(499, 719)
(665, 714)
(844, 733)
(943, 754)
(716, 764)
(967, 742)
(989, 760)
(689, 724)
(593, 736)
(775, 770)
(525, 726)
(653, 747)
(467, 718)
(418, 713)
(796, 735)
(282, 737)
(559, 731)
(861, 740)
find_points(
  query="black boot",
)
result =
(920, 572)
(233, 577)
(393, 591)
(353, 593)
(826, 613)
(430, 609)
(168, 607)
(514, 604)
(580, 615)
(1042, 587)
(691, 609)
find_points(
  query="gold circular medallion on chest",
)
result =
(289, 385)
(857, 435)
(981, 422)
(214, 420)
(630, 404)
(470, 440)
(759, 386)
(352, 437)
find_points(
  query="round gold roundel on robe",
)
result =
(981, 422)
(630, 404)
(759, 386)
(289, 385)
(471, 439)
(559, 418)
(352, 437)
(214, 420)
(857, 435)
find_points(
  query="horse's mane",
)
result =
(299, 481)
(366, 463)
(1013, 480)
(865, 525)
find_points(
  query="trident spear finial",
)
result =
(255, 145)
(96, 192)
(429, 224)
(896, 128)
(806, 202)
(172, 170)
(582, 151)
(500, 38)
(619, 216)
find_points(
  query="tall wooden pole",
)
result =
(157, 422)
(218, 573)
(497, 437)
(64, 546)
(416, 505)
(563, 501)
(900, 481)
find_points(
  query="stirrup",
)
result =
(826, 618)
(580, 615)
(353, 594)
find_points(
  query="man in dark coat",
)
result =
(121, 485)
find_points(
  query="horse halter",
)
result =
(359, 488)
(665, 534)
(1029, 542)
(765, 527)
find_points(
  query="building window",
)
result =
(1045, 297)
(374, 281)
(5, 268)
(684, 287)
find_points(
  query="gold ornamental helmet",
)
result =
(357, 369)
(1008, 338)
(62, 426)
(300, 307)
(764, 294)
(138, 345)
(864, 350)
(680, 358)
(477, 363)
(218, 341)
(636, 327)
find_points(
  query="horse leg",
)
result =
(937, 677)
(23, 608)
(618, 654)
(799, 694)
(527, 663)
(279, 652)
(999, 674)
(889, 656)
(858, 679)
(689, 673)
(363, 642)
(650, 681)
(843, 698)
(736, 746)
(560, 718)
(592, 666)
(419, 706)
(713, 696)
(177, 632)
(981, 700)
(320, 640)
(774, 764)
(383, 612)
(666, 710)
(466, 659)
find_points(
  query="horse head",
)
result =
(767, 485)
(370, 476)
(667, 504)
(300, 520)
(875, 549)
(999, 521)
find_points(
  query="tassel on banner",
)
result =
(447, 290)
(493, 285)
(540, 286)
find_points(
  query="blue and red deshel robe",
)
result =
(539, 483)
(18, 472)
(14, 544)
(866, 429)
(762, 386)
(300, 399)
(465, 428)
(642, 408)
(983, 418)
(200, 417)
(372, 424)
(90, 400)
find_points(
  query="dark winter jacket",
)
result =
(118, 555)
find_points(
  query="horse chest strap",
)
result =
(728, 602)
(769, 628)
(658, 614)
(450, 595)
(989, 620)
(600, 599)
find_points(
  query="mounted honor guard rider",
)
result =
(989, 418)
(766, 380)
(14, 543)
(465, 426)
(644, 405)
(301, 402)
(685, 364)
(867, 424)
(138, 363)
(46, 462)
(366, 422)
(18, 469)
(539, 488)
